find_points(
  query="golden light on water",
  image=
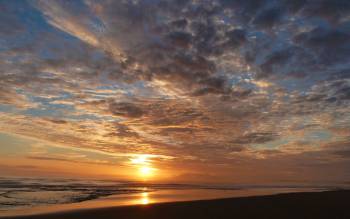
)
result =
(144, 199)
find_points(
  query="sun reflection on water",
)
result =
(144, 198)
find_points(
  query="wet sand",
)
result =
(313, 205)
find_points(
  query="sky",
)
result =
(221, 91)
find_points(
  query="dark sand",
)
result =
(313, 205)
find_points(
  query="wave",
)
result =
(29, 192)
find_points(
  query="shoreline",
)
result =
(326, 204)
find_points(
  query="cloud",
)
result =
(256, 138)
(125, 109)
(268, 17)
(242, 79)
(330, 10)
(331, 45)
(71, 160)
(12, 98)
(343, 154)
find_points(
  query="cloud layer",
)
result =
(205, 82)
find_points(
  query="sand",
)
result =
(311, 205)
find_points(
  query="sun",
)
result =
(145, 171)
(143, 165)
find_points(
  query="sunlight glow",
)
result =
(144, 165)
(145, 171)
(140, 159)
(144, 199)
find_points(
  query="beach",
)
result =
(315, 205)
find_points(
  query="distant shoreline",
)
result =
(315, 205)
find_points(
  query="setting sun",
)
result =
(143, 165)
(145, 171)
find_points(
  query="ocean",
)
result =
(22, 196)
